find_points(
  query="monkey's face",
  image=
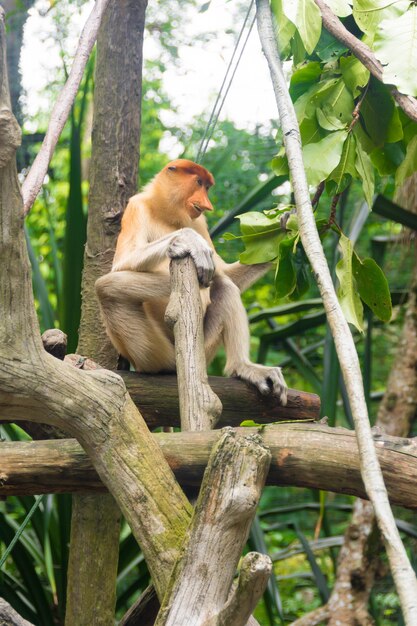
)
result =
(197, 200)
(187, 184)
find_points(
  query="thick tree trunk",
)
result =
(94, 556)
(225, 508)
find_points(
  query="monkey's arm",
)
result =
(178, 244)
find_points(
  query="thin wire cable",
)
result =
(210, 124)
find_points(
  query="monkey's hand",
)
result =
(266, 379)
(189, 242)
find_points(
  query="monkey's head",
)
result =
(189, 183)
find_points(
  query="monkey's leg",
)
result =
(226, 320)
(124, 299)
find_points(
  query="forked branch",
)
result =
(225, 508)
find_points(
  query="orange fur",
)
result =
(166, 220)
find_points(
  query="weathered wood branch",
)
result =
(199, 406)
(255, 571)
(303, 455)
(240, 401)
(225, 508)
(10, 617)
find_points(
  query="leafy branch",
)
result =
(362, 52)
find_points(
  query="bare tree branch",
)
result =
(365, 55)
(34, 179)
(200, 407)
(9, 617)
(403, 574)
(62, 466)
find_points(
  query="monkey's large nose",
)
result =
(207, 206)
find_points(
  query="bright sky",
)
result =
(192, 86)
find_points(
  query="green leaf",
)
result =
(369, 13)
(341, 8)
(396, 49)
(380, 115)
(373, 287)
(329, 121)
(285, 275)
(302, 281)
(355, 75)
(311, 131)
(409, 165)
(306, 16)
(286, 29)
(279, 164)
(322, 157)
(342, 175)
(297, 49)
(365, 170)
(261, 236)
(306, 105)
(304, 78)
(329, 48)
(388, 158)
(347, 292)
(338, 103)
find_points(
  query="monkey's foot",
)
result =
(266, 379)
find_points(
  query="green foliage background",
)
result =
(301, 529)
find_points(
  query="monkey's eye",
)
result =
(172, 168)
(199, 182)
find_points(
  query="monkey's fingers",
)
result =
(205, 269)
(266, 379)
(277, 384)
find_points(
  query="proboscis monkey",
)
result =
(166, 221)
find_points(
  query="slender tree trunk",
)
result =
(359, 559)
(402, 571)
(114, 165)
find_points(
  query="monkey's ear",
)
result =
(172, 168)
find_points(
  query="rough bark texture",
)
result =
(199, 406)
(114, 164)
(202, 578)
(9, 617)
(240, 401)
(307, 455)
(114, 157)
(92, 569)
